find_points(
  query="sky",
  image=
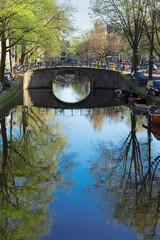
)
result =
(83, 21)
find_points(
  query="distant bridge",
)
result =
(100, 78)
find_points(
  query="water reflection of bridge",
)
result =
(46, 99)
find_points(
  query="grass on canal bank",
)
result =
(11, 93)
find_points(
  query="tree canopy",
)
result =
(128, 17)
(33, 24)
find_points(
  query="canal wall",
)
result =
(100, 78)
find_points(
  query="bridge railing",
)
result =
(39, 65)
(24, 68)
(61, 64)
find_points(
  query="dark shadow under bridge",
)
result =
(46, 99)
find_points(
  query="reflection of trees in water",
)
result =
(81, 89)
(128, 187)
(114, 114)
(30, 173)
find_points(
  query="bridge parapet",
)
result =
(100, 78)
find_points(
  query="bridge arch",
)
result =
(79, 76)
(100, 78)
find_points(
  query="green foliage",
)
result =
(96, 44)
(128, 16)
(30, 173)
(76, 48)
(35, 24)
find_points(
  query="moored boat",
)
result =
(124, 95)
(154, 116)
(139, 104)
(155, 131)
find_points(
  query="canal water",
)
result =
(78, 174)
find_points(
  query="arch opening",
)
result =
(71, 86)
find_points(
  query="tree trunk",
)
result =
(151, 64)
(135, 59)
(3, 57)
(10, 56)
(151, 47)
(10, 60)
(16, 56)
(23, 53)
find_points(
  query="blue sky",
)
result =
(83, 21)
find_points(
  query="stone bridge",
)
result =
(100, 78)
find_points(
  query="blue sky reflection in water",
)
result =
(92, 191)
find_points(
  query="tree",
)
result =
(152, 29)
(44, 24)
(79, 48)
(97, 44)
(104, 43)
(128, 16)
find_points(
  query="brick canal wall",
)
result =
(100, 78)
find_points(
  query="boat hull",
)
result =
(139, 106)
(154, 116)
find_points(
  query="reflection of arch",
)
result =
(46, 99)
(82, 97)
